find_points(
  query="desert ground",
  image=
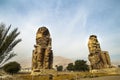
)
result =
(103, 78)
(62, 76)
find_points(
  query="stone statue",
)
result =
(98, 59)
(42, 56)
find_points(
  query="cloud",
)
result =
(70, 24)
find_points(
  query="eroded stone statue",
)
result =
(98, 59)
(42, 56)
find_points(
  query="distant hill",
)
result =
(58, 60)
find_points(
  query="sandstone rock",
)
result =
(42, 56)
(106, 71)
(98, 59)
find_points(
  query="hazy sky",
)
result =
(70, 23)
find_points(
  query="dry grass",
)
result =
(61, 76)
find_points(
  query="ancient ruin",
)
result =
(42, 56)
(98, 59)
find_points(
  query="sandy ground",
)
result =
(97, 78)
(103, 78)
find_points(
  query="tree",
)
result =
(12, 67)
(59, 68)
(70, 67)
(119, 66)
(7, 43)
(80, 65)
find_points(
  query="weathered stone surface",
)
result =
(107, 71)
(42, 57)
(98, 59)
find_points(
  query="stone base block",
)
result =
(106, 71)
(43, 72)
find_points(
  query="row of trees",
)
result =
(78, 65)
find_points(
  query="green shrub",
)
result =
(70, 67)
(11, 67)
(79, 65)
(59, 68)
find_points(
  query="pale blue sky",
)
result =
(70, 22)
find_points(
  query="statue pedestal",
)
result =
(43, 72)
(106, 71)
